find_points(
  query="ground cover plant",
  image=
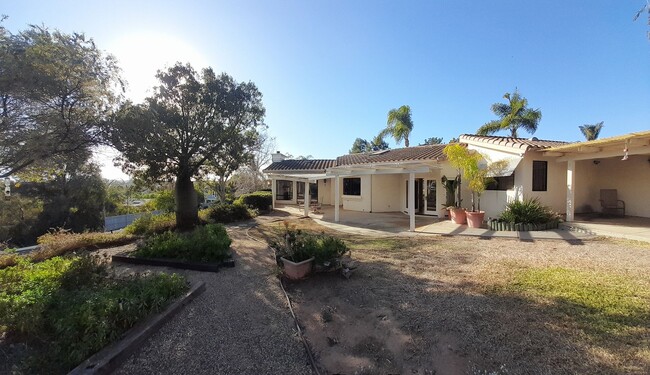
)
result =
(61, 242)
(209, 243)
(471, 305)
(64, 309)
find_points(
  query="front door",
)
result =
(419, 196)
(431, 201)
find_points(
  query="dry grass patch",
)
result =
(470, 305)
(61, 242)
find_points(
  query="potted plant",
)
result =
(468, 162)
(295, 252)
(456, 213)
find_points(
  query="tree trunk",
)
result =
(187, 212)
(459, 187)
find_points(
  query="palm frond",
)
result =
(591, 132)
(489, 128)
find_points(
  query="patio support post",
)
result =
(273, 191)
(307, 198)
(570, 189)
(337, 198)
(411, 195)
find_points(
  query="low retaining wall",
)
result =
(520, 227)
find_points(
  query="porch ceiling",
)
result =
(637, 143)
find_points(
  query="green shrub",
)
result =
(528, 211)
(209, 243)
(150, 224)
(228, 213)
(259, 200)
(65, 309)
(298, 246)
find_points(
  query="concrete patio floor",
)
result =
(397, 223)
(627, 227)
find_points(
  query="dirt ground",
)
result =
(424, 305)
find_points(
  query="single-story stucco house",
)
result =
(568, 177)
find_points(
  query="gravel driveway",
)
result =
(239, 325)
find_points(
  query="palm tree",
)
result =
(399, 124)
(512, 116)
(591, 131)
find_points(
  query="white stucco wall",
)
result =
(555, 194)
(325, 191)
(358, 203)
(386, 193)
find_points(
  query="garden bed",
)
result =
(174, 263)
(62, 310)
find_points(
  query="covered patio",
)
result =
(398, 223)
(620, 165)
(627, 227)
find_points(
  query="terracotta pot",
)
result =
(457, 215)
(297, 271)
(475, 218)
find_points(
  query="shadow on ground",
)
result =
(384, 320)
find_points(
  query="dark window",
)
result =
(501, 183)
(284, 190)
(351, 186)
(300, 190)
(540, 169)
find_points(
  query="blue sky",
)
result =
(331, 70)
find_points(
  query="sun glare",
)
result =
(141, 54)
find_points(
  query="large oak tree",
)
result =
(56, 92)
(193, 124)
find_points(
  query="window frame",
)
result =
(540, 175)
(347, 186)
(502, 183)
(280, 193)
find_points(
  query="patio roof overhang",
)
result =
(380, 168)
(305, 177)
(637, 143)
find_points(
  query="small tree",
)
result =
(477, 176)
(465, 162)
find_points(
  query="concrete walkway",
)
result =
(395, 223)
(240, 325)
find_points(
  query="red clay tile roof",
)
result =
(520, 143)
(307, 165)
(429, 152)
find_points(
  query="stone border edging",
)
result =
(195, 266)
(107, 359)
(520, 227)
